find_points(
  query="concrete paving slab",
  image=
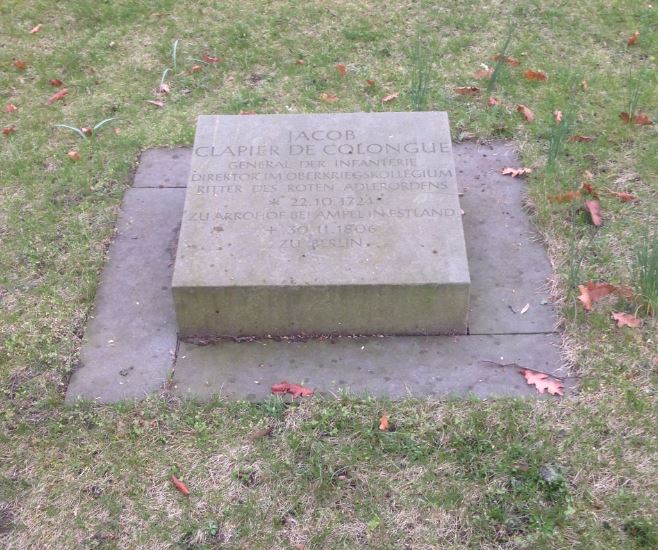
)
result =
(393, 366)
(163, 168)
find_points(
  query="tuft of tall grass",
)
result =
(420, 76)
(501, 61)
(645, 273)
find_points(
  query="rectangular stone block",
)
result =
(322, 224)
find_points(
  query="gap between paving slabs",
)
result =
(130, 342)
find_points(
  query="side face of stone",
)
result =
(322, 224)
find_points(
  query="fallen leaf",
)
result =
(515, 172)
(625, 117)
(557, 115)
(8, 130)
(195, 68)
(117, 131)
(56, 82)
(299, 62)
(155, 102)
(247, 112)
(581, 139)
(74, 155)
(163, 88)
(525, 309)
(19, 64)
(383, 423)
(36, 29)
(632, 39)
(588, 175)
(509, 60)
(390, 97)
(180, 485)
(293, 389)
(482, 73)
(492, 101)
(342, 69)
(543, 382)
(58, 95)
(625, 292)
(10, 108)
(535, 75)
(565, 197)
(370, 82)
(584, 85)
(593, 292)
(594, 209)
(527, 113)
(328, 98)
(209, 59)
(588, 189)
(260, 433)
(642, 118)
(626, 320)
(87, 131)
(467, 90)
(623, 196)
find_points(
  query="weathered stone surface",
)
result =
(332, 224)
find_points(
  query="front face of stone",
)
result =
(322, 224)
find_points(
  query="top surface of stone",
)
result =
(329, 199)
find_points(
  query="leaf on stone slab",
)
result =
(515, 172)
(593, 292)
(632, 39)
(543, 382)
(581, 139)
(341, 68)
(467, 90)
(535, 75)
(295, 390)
(594, 209)
(182, 487)
(527, 113)
(390, 97)
(623, 196)
(57, 96)
(626, 320)
(328, 98)
(10, 108)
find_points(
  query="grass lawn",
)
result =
(577, 472)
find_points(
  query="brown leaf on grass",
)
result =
(180, 485)
(527, 113)
(642, 119)
(260, 433)
(163, 88)
(293, 389)
(593, 292)
(543, 382)
(117, 131)
(584, 85)
(467, 90)
(155, 102)
(19, 64)
(36, 29)
(482, 73)
(247, 113)
(56, 82)
(581, 139)
(515, 172)
(341, 68)
(594, 209)
(299, 62)
(390, 97)
(626, 320)
(632, 39)
(57, 96)
(73, 154)
(10, 108)
(370, 82)
(86, 131)
(210, 59)
(557, 115)
(383, 423)
(588, 189)
(492, 102)
(535, 75)
(625, 117)
(195, 68)
(509, 60)
(565, 197)
(623, 196)
(328, 98)
(9, 130)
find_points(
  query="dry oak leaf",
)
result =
(593, 292)
(163, 88)
(383, 423)
(515, 172)
(209, 59)
(57, 96)
(565, 197)
(581, 139)
(492, 102)
(467, 90)
(482, 73)
(56, 82)
(543, 382)
(341, 68)
(299, 62)
(509, 60)
(642, 119)
(180, 485)
(73, 154)
(527, 113)
(557, 115)
(623, 196)
(594, 209)
(10, 108)
(625, 117)
(632, 39)
(155, 102)
(9, 130)
(370, 82)
(36, 29)
(626, 319)
(293, 389)
(588, 189)
(390, 97)
(86, 131)
(328, 98)
(247, 113)
(535, 75)
(19, 64)
(195, 68)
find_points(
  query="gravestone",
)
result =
(321, 224)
